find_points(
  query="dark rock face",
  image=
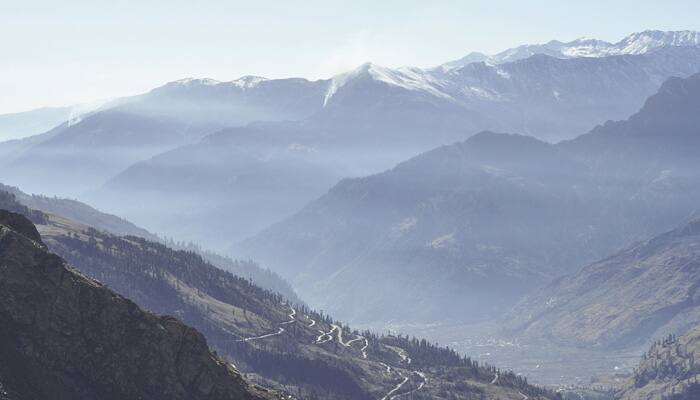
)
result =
(21, 225)
(64, 336)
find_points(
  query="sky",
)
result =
(63, 53)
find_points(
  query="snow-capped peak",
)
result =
(340, 80)
(248, 81)
(642, 42)
(636, 43)
(405, 77)
(196, 82)
(245, 82)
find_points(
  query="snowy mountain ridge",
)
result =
(636, 43)
(244, 82)
(489, 78)
(452, 83)
(409, 78)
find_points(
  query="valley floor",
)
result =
(543, 363)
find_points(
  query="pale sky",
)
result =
(75, 51)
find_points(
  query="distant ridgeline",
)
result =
(83, 213)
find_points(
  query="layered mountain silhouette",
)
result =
(34, 206)
(433, 221)
(374, 118)
(320, 131)
(34, 122)
(492, 217)
(213, 185)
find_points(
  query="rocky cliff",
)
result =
(64, 336)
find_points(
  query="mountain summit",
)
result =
(636, 43)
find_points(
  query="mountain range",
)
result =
(636, 43)
(213, 151)
(30, 123)
(465, 230)
(387, 197)
(280, 143)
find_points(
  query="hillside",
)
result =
(77, 211)
(668, 371)
(274, 343)
(473, 226)
(78, 157)
(34, 122)
(11, 198)
(645, 291)
(212, 186)
(65, 336)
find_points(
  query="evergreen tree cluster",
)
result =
(9, 202)
(315, 378)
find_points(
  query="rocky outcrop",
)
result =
(64, 336)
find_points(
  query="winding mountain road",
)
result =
(357, 339)
(390, 395)
(388, 368)
(349, 343)
(417, 388)
(340, 335)
(313, 322)
(248, 339)
(364, 348)
(393, 394)
(292, 319)
(402, 353)
(325, 337)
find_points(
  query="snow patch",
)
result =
(494, 171)
(414, 79)
(442, 242)
(663, 176)
(197, 82)
(248, 82)
(404, 226)
(636, 43)
(301, 148)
